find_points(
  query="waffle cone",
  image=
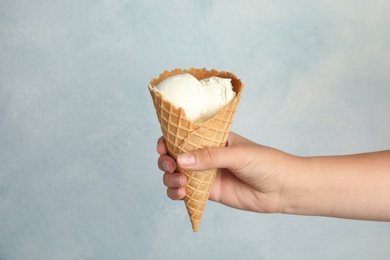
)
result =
(182, 135)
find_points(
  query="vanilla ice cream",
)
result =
(200, 100)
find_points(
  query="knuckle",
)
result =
(174, 194)
(209, 156)
(165, 179)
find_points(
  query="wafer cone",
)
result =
(182, 135)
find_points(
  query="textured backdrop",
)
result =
(78, 172)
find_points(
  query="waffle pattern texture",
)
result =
(182, 135)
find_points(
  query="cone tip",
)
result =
(195, 227)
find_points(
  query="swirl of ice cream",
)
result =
(200, 100)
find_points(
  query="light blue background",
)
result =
(78, 172)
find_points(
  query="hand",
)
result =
(250, 176)
(262, 179)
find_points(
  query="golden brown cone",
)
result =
(182, 135)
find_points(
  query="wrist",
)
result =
(289, 191)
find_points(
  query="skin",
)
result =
(262, 179)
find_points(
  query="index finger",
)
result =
(161, 147)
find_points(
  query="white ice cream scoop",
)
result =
(218, 93)
(200, 100)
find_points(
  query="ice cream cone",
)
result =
(182, 135)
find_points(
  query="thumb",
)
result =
(207, 158)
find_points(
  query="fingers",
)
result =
(166, 163)
(174, 180)
(175, 183)
(176, 194)
(209, 158)
(229, 157)
(161, 147)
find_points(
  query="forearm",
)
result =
(352, 186)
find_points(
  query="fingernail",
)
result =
(177, 181)
(186, 159)
(165, 165)
(178, 193)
